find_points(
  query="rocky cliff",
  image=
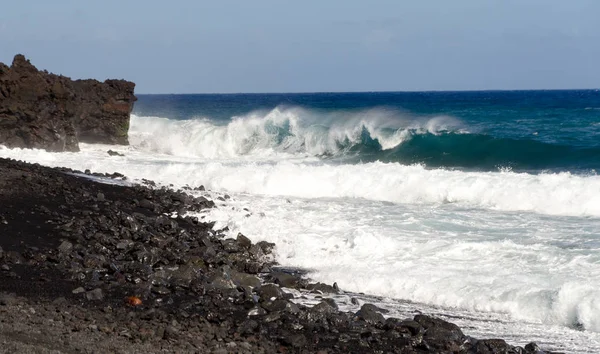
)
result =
(52, 112)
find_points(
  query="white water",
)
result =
(512, 255)
(282, 131)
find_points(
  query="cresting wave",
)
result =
(366, 136)
(286, 131)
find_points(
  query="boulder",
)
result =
(443, 336)
(52, 112)
(370, 314)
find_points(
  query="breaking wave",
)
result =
(369, 135)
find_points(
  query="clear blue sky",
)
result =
(195, 46)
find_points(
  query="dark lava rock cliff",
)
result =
(46, 111)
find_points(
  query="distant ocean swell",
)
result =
(370, 135)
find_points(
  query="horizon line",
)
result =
(382, 91)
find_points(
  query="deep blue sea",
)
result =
(483, 130)
(479, 207)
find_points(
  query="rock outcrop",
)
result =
(52, 112)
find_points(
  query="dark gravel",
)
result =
(94, 267)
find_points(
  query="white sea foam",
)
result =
(534, 268)
(551, 194)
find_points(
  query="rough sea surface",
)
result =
(483, 207)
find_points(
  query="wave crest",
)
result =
(376, 134)
(284, 131)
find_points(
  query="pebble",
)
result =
(95, 294)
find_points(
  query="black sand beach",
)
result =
(102, 267)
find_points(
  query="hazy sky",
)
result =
(195, 46)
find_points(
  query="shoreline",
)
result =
(89, 247)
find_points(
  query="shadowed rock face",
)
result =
(52, 112)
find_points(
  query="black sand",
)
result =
(74, 251)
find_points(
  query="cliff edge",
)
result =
(52, 112)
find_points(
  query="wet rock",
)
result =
(256, 252)
(78, 290)
(372, 307)
(286, 280)
(243, 242)
(331, 302)
(322, 307)
(440, 334)
(244, 279)
(114, 153)
(275, 305)
(231, 246)
(533, 348)
(266, 247)
(272, 316)
(322, 288)
(257, 311)
(253, 267)
(369, 314)
(291, 307)
(270, 292)
(492, 346)
(408, 327)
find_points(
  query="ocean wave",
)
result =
(285, 131)
(480, 151)
(370, 135)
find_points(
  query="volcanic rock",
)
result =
(270, 291)
(95, 294)
(52, 112)
(369, 314)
